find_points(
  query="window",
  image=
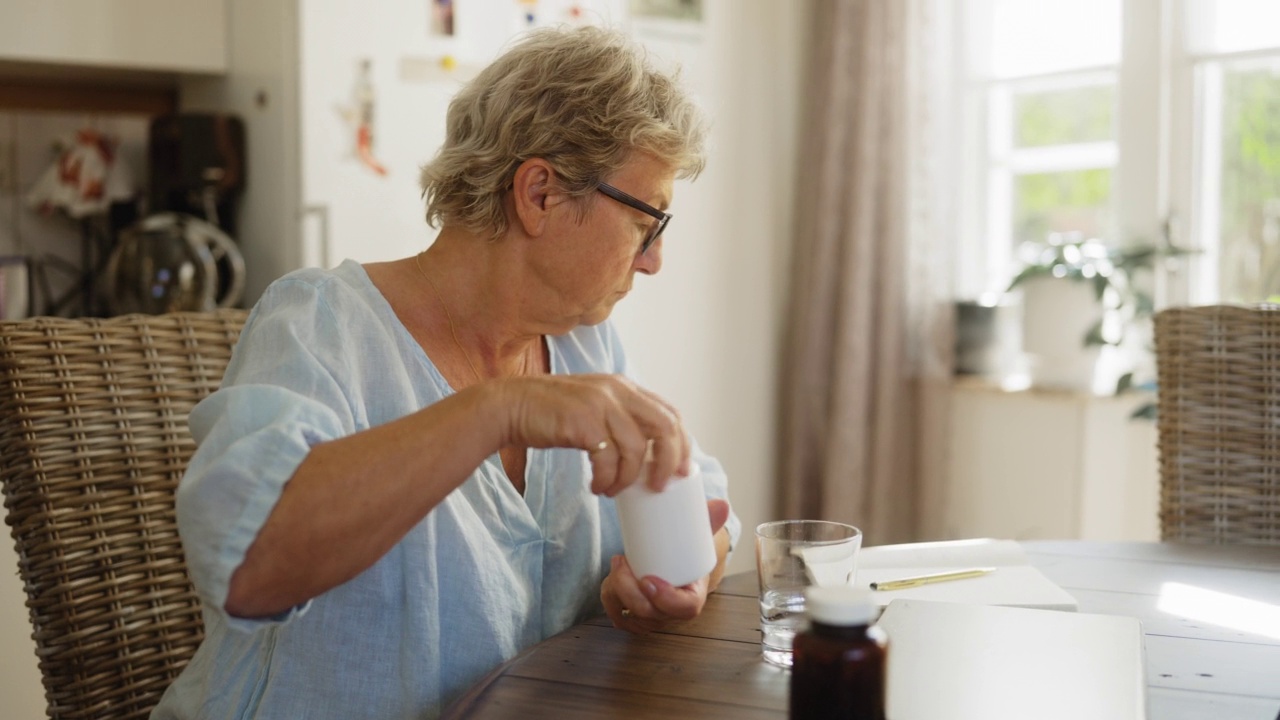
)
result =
(1042, 78)
(1124, 120)
(1233, 52)
(1055, 161)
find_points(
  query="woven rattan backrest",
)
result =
(93, 440)
(1219, 424)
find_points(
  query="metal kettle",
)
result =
(171, 262)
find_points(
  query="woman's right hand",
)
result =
(609, 416)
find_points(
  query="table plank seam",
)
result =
(676, 633)
(1214, 640)
(634, 691)
(1201, 691)
(1113, 592)
(1252, 567)
(671, 633)
(603, 621)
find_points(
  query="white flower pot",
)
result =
(1057, 314)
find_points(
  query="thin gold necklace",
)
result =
(453, 330)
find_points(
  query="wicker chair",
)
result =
(93, 439)
(1219, 424)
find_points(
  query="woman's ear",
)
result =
(534, 194)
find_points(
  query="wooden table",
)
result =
(711, 667)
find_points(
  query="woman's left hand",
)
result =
(642, 605)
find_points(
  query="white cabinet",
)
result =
(1046, 464)
(185, 36)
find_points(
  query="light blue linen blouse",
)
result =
(484, 575)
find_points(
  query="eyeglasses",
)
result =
(644, 207)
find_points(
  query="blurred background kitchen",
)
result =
(1058, 170)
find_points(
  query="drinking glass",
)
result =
(791, 555)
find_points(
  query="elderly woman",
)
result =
(407, 476)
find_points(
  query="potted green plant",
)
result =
(1081, 295)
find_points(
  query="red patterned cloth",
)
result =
(85, 179)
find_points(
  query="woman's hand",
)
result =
(642, 605)
(609, 416)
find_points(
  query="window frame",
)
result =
(987, 261)
(1162, 171)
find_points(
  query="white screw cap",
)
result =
(840, 605)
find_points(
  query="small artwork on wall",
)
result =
(359, 116)
(689, 10)
(442, 17)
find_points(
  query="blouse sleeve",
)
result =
(281, 396)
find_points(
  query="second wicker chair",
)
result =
(1219, 424)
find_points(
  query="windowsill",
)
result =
(1020, 384)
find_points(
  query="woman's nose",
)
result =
(650, 261)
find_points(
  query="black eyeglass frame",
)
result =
(662, 217)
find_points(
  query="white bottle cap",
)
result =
(840, 605)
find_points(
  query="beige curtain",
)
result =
(868, 348)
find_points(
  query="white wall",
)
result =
(705, 332)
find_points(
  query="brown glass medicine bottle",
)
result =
(840, 660)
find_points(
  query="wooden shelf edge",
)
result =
(73, 97)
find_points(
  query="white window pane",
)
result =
(1030, 37)
(1074, 201)
(1065, 116)
(1052, 153)
(1226, 26)
(1242, 188)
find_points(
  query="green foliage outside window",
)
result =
(1070, 201)
(1064, 117)
(1250, 209)
(1078, 201)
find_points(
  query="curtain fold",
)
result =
(868, 348)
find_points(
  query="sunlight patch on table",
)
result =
(1222, 609)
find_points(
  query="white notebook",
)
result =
(1014, 583)
(970, 662)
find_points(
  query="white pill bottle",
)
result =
(667, 534)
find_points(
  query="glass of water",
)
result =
(790, 556)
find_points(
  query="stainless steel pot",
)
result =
(170, 262)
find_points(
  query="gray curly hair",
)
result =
(584, 100)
